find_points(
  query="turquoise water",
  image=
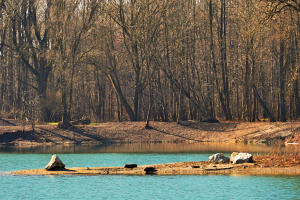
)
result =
(134, 187)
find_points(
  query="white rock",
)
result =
(55, 164)
(219, 158)
(233, 155)
(243, 158)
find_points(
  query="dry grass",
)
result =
(278, 160)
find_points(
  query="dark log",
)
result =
(130, 166)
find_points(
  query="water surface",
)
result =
(134, 187)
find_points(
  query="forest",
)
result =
(162, 60)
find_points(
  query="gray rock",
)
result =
(55, 164)
(219, 158)
(243, 158)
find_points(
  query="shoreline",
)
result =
(209, 147)
(162, 132)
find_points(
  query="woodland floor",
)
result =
(12, 133)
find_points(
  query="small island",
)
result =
(276, 165)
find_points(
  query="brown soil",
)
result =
(279, 160)
(277, 167)
(169, 132)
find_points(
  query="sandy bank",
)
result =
(185, 168)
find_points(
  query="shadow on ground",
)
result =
(204, 126)
(88, 135)
(175, 135)
(20, 135)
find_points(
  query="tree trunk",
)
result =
(282, 111)
(246, 109)
(223, 57)
(118, 90)
(150, 99)
(297, 98)
(263, 104)
(137, 93)
(212, 54)
(42, 80)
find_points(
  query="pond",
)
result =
(137, 187)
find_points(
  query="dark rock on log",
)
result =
(55, 164)
(130, 166)
(150, 170)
